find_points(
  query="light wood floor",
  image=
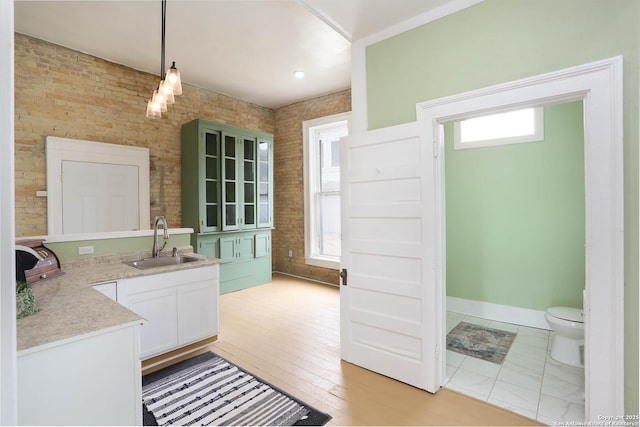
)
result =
(287, 332)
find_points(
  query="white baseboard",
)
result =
(498, 312)
(305, 278)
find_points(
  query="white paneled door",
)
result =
(391, 314)
(98, 197)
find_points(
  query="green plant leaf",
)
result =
(21, 286)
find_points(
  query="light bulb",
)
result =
(159, 98)
(173, 77)
(167, 91)
(153, 110)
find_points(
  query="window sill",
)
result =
(322, 262)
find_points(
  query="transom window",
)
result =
(524, 125)
(322, 189)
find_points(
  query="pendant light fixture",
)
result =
(170, 83)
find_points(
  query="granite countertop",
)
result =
(70, 307)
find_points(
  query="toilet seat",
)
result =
(567, 313)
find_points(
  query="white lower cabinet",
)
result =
(197, 312)
(180, 307)
(96, 379)
(91, 380)
(158, 308)
(109, 289)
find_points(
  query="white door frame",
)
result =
(599, 86)
(59, 150)
(8, 361)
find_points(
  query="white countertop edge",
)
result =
(74, 338)
(102, 236)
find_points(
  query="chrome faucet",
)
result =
(159, 220)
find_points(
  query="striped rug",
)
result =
(216, 392)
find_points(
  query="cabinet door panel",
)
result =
(230, 169)
(249, 216)
(231, 182)
(246, 249)
(158, 308)
(94, 379)
(248, 170)
(210, 179)
(209, 247)
(228, 248)
(212, 217)
(99, 197)
(265, 184)
(197, 311)
(231, 217)
(263, 245)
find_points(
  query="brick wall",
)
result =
(288, 180)
(65, 93)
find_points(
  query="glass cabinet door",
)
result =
(230, 183)
(227, 178)
(211, 200)
(249, 183)
(265, 193)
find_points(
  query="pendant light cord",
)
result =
(164, 18)
(166, 91)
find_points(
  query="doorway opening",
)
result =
(515, 218)
(599, 87)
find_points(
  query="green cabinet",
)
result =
(227, 198)
(239, 182)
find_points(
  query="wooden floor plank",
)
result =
(288, 333)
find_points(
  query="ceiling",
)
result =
(247, 49)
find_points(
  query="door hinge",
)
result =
(343, 275)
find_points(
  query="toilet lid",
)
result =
(567, 313)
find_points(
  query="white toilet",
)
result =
(568, 341)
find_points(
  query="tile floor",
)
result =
(529, 382)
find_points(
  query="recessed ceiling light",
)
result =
(298, 74)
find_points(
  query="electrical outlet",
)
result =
(290, 253)
(85, 250)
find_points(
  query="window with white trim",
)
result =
(512, 127)
(321, 148)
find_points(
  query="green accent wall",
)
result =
(69, 250)
(497, 41)
(516, 217)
